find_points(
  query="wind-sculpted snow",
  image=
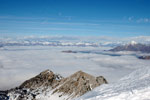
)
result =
(135, 86)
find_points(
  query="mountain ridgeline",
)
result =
(50, 86)
(133, 46)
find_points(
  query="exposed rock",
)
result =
(69, 51)
(144, 57)
(45, 78)
(101, 80)
(79, 83)
(3, 95)
(47, 83)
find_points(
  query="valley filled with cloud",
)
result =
(19, 63)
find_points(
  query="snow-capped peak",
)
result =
(133, 42)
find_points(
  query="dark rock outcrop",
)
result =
(3, 95)
(69, 51)
(144, 57)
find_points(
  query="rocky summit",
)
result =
(44, 79)
(50, 86)
(78, 84)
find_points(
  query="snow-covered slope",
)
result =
(135, 86)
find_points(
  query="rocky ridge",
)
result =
(47, 85)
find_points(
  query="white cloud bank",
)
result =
(18, 64)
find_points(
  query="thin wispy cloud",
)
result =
(138, 20)
(143, 20)
(131, 18)
(69, 23)
(25, 18)
(46, 20)
(37, 25)
(99, 15)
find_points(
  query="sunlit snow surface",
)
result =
(135, 86)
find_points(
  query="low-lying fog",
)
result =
(19, 63)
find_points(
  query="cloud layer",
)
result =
(20, 63)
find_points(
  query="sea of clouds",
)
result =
(19, 63)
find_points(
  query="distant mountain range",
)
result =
(70, 41)
(50, 86)
(133, 46)
(57, 41)
(47, 43)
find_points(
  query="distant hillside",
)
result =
(133, 46)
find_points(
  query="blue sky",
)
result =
(115, 18)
